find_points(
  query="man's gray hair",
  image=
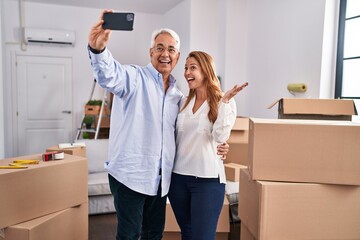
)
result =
(172, 33)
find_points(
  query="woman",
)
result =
(206, 118)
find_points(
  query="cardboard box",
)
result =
(238, 154)
(69, 224)
(41, 189)
(95, 110)
(306, 108)
(240, 130)
(78, 151)
(238, 142)
(316, 151)
(172, 230)
(245, 234)
(232, 171)
(277, 210)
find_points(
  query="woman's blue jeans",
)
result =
(197, 203)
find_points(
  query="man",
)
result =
(142, 131)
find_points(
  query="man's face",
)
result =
(164, 55)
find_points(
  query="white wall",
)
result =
(179, 20)
(284, 45)
(236, 50)
(267, 43)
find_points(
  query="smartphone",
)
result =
(118, 21)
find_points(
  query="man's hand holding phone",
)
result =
(99, 37)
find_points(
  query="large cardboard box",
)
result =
(238, 142)
(307, 108)
(278, 210)
(41, 189)
(69, 224)
(172, 230)
(78, 151)
(317, 151)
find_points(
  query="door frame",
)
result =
(10, 98)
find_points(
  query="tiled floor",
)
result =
(103, 227)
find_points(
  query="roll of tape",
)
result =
(52, 156)
(297, 87)
(59, 155)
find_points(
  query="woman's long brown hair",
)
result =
(212, 83)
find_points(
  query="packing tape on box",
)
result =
(53, 156)
(59, 155)
(297, 87)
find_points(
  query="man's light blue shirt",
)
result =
(142, 125)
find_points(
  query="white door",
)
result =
(44, 102)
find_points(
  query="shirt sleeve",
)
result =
(225, 121)
(111, 75)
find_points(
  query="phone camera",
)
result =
(130, 17)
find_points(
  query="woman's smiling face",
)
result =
(193, 73)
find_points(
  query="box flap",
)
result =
(274, 103)
(316, 106)
(319, 106)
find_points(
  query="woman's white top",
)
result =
(197, 139)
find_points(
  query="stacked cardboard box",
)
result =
(318, 151)
(69, 224)
(303, 180)
(33, 194)
(238, 142)
(232, 171)
(236, 158)
(172, 230)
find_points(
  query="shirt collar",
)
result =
(158, 75)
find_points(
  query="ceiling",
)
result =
(146, 6)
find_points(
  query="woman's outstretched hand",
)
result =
(232, 92)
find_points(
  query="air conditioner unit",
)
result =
(48, 36)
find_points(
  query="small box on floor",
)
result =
(69, 224)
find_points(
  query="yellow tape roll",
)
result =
(297, 87)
